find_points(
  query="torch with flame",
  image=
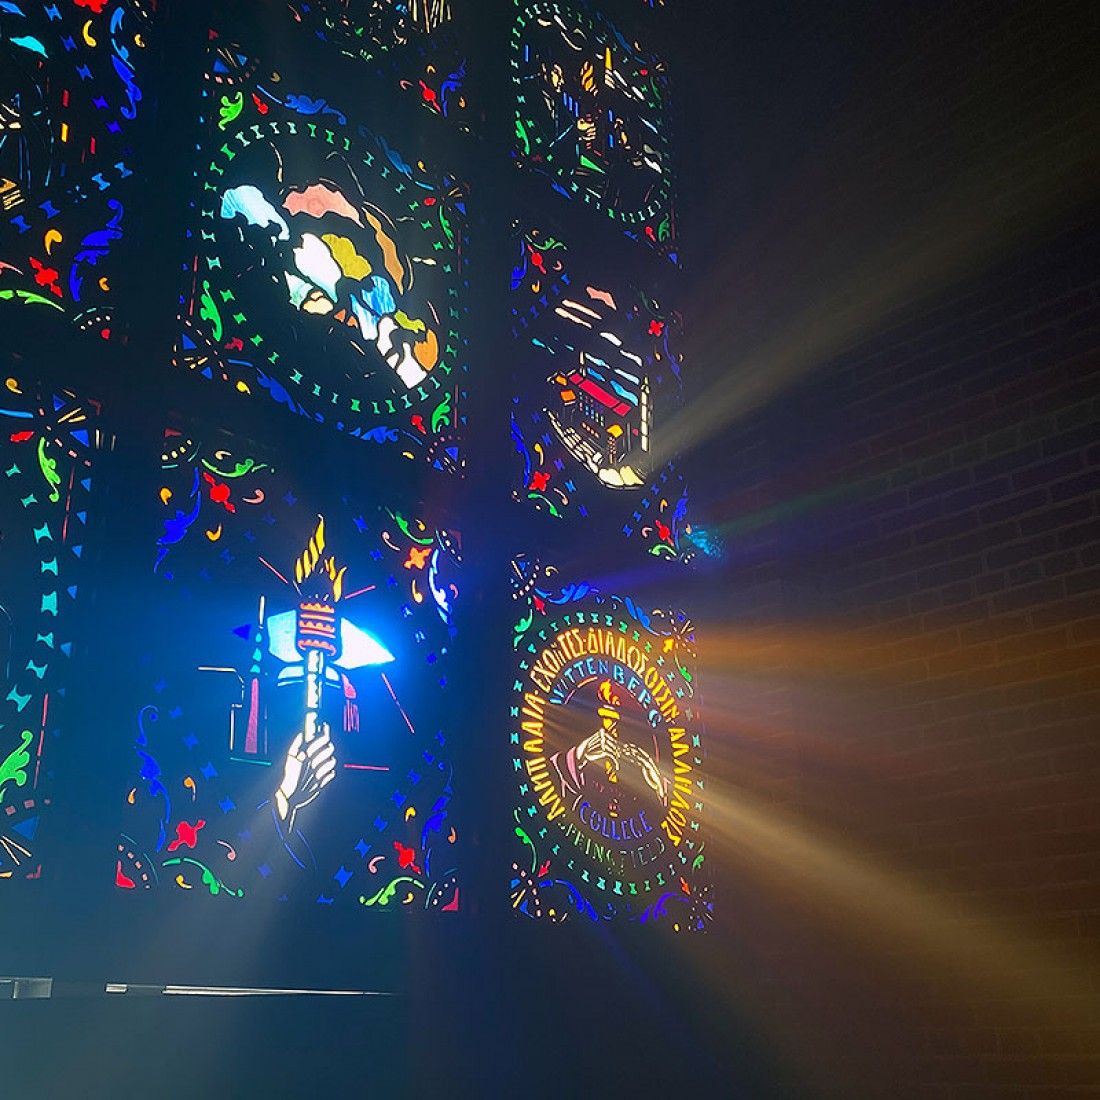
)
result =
(609, 719)
(320, 583)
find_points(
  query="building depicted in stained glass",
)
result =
(598, 372)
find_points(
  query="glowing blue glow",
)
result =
(357, 648)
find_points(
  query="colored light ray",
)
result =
(946, 939)
(359, 592)
(797, 860)
(41, 739)
(873, 484)
(267, 565)
(890, 655)
(859, 290)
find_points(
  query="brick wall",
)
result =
(911, 820)
(942, 633)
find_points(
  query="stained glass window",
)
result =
(327, 273)
(48, 444)
(438, 79)
(606, 745)
(293, 730)
(70, 92)
(292, 719)
(591, 117)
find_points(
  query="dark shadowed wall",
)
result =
(902, 335)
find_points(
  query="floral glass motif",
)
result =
(327, 268)
(597, 374)
(412, 41)
(69, 96)
(590, 116)
(606, 745)
(292, 732)
(47, 449)
(438, 81)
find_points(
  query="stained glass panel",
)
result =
(368, 28)
(293, 726)
(598, 372)
(327, 273)
(590, 116)
(606, 744)
(412, 44)
(48, 447)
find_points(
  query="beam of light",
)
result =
(956, 951)
(359, 592)
(730, 520)
(1006, 198)
(973, 656)
(949, 939)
